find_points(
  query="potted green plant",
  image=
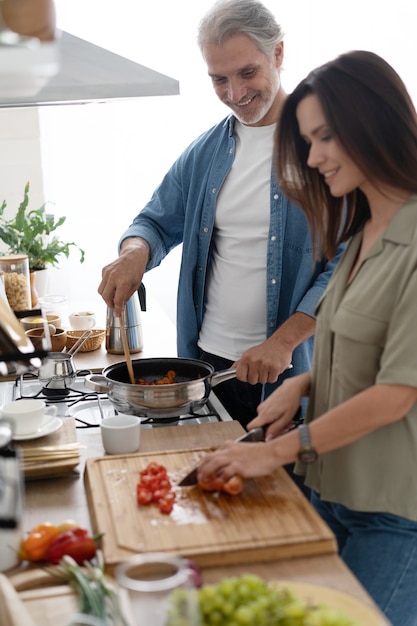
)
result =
(30, 232)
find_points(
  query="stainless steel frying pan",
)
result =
(194, 381)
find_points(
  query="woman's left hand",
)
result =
(280, 408)
(243, 459)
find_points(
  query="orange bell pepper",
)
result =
(36, 544)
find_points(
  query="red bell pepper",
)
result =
(76, 542)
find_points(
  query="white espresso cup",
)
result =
(120, 434)
(28, 415)
(82, 320)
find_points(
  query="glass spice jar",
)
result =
(14, 270)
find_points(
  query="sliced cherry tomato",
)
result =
(160, 476)
(165, 483)
(160, 493)
(155, 486)
(165, 506)
(147, 481)
(233, 486)
(170, 497)
(211, 484)
(155, 468)
(143, 495)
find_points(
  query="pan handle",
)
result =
(97, 382)
(222, 376)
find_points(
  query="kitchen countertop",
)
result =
(57, 499)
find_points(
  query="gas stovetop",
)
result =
(89, 407)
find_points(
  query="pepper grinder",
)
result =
(11, 499)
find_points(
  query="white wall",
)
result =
(20, 159)
(102, 162)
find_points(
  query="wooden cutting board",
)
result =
(269, 520)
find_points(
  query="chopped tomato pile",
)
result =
(155, 486)
(168, 379)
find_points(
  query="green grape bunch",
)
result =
(248, 600)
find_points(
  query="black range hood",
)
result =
(88, 73)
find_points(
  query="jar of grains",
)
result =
(14, 271)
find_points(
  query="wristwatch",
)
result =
(307, 453)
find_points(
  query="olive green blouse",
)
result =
(367, 334)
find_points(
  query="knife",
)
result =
(254, 435)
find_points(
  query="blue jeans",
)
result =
(381, 550)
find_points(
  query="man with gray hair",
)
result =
(248, 285)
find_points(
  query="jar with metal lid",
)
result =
(14, 270)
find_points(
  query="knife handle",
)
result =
(256, 434)
(298, 418)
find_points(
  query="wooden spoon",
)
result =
(126, 349)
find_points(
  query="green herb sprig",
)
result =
(96, 596)
(29, 233)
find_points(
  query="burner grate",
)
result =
(28, 386)
(56, 393)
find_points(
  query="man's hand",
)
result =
(265, 362)
(122, 277)
(33, 18)
(262, 363)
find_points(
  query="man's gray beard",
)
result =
(259, 115)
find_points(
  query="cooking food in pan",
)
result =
(169, 378)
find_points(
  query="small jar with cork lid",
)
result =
(14, 271)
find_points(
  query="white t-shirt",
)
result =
(235, 317)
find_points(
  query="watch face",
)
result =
(308, 456)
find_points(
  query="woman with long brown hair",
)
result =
(347, 154)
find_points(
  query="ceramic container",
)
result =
(27, 415)
(120, 434)
(37, 321)
(82, 320)
(58, 338)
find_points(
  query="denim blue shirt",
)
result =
(182, 210)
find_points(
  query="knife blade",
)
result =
(254, 435)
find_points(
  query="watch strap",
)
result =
(307, 453)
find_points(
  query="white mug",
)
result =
(82, 320)
(120, 434)
(28, 415)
